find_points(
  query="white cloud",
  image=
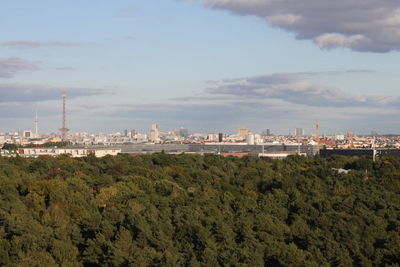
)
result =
(283, 20)
(332, 40)
(361, 25)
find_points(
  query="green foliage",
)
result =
(10, 147)
(188, 210)
(51, 144)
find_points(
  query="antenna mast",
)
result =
(64, 130)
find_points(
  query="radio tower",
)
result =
(64, 130)
(36, 125)
(317, 138)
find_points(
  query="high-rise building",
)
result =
(299, 132)
(243, 132)
(154, 134)
(184, 132)
(267, 132)
(220, 137)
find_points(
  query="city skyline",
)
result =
(210, 66)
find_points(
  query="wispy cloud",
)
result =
(34, 44)
(367, 26)
(36, 93)
(11, 66)
(129, 37)
(65, 68)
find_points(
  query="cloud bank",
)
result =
(10, 66)
(296, 89)
(361, 25)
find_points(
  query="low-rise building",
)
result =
(74, 152)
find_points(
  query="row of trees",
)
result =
(14, 147)
(186, 210)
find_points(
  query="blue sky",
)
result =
(210, 65)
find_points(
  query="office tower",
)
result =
(220, 137)
(154, 134)
(243, 132)
(267, 132)
(299, 132)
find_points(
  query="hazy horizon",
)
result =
(209, 66)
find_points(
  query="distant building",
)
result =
(280, 155)
(154, 134)
(2, 139)
(132, 134)
(258, 139)
(267, 133)
(27, 134)
(220, 137)
(183, 132)
(340, 137)
(243, 132)
(250, 139)
(75, 152)
(212, 137)
(299, 132)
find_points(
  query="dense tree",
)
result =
(10, 147)
(188, 210)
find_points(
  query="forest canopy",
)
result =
(189, 210)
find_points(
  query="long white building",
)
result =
(74, 152)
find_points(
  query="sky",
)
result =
(206, 65)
